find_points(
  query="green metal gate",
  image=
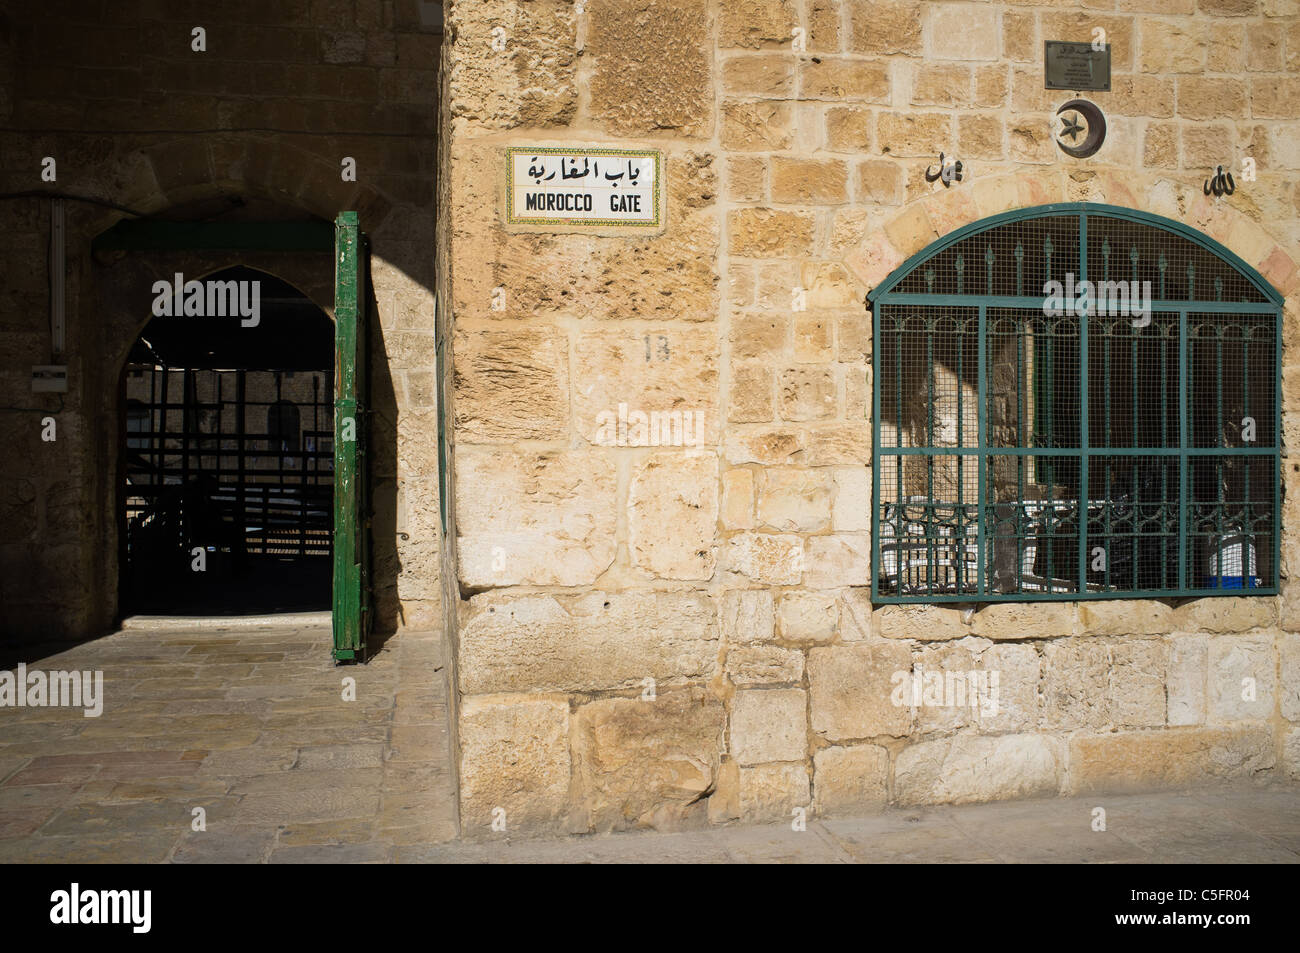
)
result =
(352, 614)
(1075, 401)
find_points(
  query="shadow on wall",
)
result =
(382, 515)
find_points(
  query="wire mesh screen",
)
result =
(1126, 445)
(1013, 260)
(1177, 268)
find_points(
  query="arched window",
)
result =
(1075, 401)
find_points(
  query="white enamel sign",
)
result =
(598, 187)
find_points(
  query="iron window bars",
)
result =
(1027, 449)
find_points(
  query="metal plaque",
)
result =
(1076, 66)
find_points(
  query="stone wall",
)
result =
(136, 119)
(673, 635)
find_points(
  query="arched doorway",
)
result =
(1075, 401)
(226, 487)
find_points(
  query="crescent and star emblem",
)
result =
(1080, 117)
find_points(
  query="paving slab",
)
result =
(245, 719)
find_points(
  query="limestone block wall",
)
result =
(664, 635)
(137, 120)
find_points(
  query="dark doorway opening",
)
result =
(226, 496)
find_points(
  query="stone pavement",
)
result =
(246, 719)
(1210, 825)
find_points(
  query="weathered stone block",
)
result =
(1226, 614)
(886, 26)
(1021, 620)
(1291, 753)
(855, 623)
(648, 763)
(1242, 676)
(1160, 147)
(874, 259)
(849, 129)
(880, 181)
(851, 779)
(1075, 681)
(835, 445)
(807, 616)
(647, 388)
(959, 31)
(1185, 684)
(809, 181)
(992, 83)
(941, 84)
(514, 756)
(738, 499)
(746, 182)
(1031, 142)
(813, 343)
(653, 71)
(1019, 672)
(673, 514)
(844, 80)
(979, 137)
(767, 233)
(771, 792)
(1141, 760)
(925, 623)
(531, 82)
(791, 500)
(769, 74)
(807, 393)
(851, 507)
(838, 560)
(593, 642)
(539, 519)
(948, 697)
(769, 725)
(511, 385)
(1020, 36)
(1137, 683)
(757, 126)
(758, 335)
(911, 229)
(756, 23)
(749, 665)
(914, 133)
(747, 615)
(1205, 97)
(1289, 684)
(776, 559)
(851, 687)
(966, 768)
(751, 396)
(1173, 46)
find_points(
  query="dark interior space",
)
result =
(227, 434)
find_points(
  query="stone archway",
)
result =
(180, 179)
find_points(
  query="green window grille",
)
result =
(1030, 445)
